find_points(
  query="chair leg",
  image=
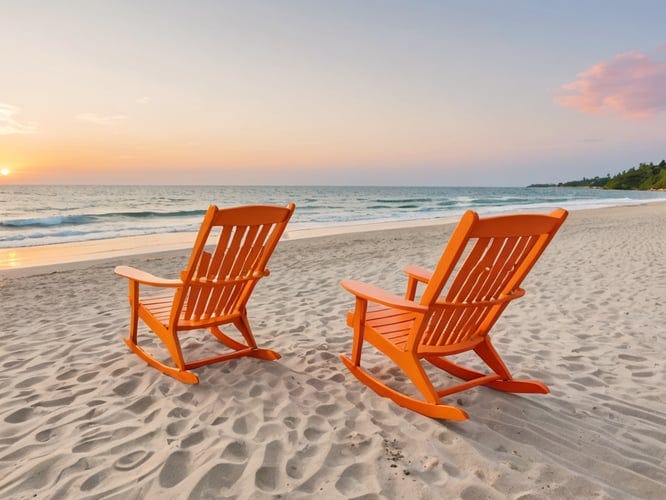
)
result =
(172, 343)
(134, 310)
(414, 370)
(489, 355)
(243, 326)
(359, 327)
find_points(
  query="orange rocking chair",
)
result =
(213, 290)
(480, 270)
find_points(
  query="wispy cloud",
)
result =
(631, 83)
(9, 125)
(143, 100)
(102, 120)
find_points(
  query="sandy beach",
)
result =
(83, 417)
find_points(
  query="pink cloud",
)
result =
(632, 84)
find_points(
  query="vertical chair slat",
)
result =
(193, 299)
(249, 235)
(225, 305)
(447, 327)
(484, 268)
(509, 255)
(205, 291)
(215, 269)
(220, 251)
(521, 254)
(471, 324)
(255, 262)
(228, 263)
(469, 273)
(253, 235)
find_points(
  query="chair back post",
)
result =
(440, 276)
(447, 262)
(188, 272)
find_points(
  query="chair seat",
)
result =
(159, 307)
(392, 324)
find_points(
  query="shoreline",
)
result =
(52, 257)
(23, 261)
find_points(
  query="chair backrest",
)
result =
(480, 271)
(219, 283)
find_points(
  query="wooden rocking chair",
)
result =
(213, 290)
(482, 268)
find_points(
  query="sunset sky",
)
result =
(340, 92)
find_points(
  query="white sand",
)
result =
(82, 417)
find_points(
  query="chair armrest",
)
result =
(418, 273)
(375, 294)
(144, 277)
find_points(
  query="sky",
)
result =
(413, 92)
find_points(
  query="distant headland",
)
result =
(645, 177)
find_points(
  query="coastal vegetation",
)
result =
(647, 176)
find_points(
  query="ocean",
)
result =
(43, 215)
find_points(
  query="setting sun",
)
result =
(4, 171)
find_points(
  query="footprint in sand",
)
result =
(29, 382)
(93, 481)
(218, 478)
(193, 439)
(235, 452)
(86, 376)
(267, 475)
(354, 479)
(175, 469)
(19, 416)
(45, 435)
(629, 357)
(175, 428)
(141, 405)
(66, 375)
(244, 424)
(126, 388)
(132, 460)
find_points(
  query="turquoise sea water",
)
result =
(42, 215)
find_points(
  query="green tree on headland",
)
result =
(645, 176)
